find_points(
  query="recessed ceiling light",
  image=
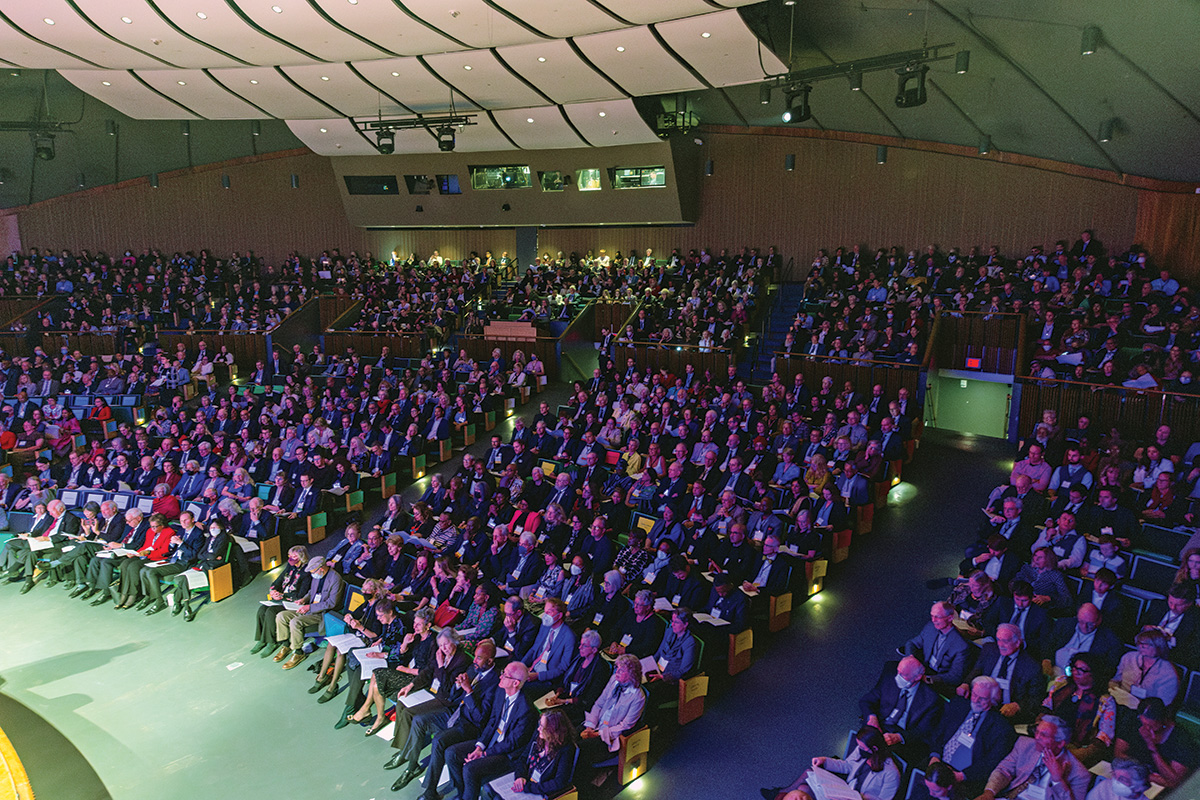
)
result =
(705, 35)
(324, 77)
(324, 130)
(105, 83)
(201, 15)
(620, 49)
(127, 20)
(353, 2)
(277, 9)
(48, 21)
(529, 119)
(253, 82)
(182, 83)
(467, 67)
(542, 59)
(395, 74)
(603, 114)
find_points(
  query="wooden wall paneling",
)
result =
(1136, 414)
(16, 306)
(247, 348)
(88, 344)
(891, 377)
(1168, 226)
(480, 349)
(674, 360)
(372, 344)
(333, 306)
(451, 243)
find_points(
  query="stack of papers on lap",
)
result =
(288, 605)
(269, 603)
(416, 698)
(502, 786)
(36, 545)
(345, 642)
(710, 620)
(662, 604)
(368, 663)
(827, 786)
(196, 579)
(246, 545)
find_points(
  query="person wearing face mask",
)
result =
(550, 654)
(1042, 762)
(869, 770)
(292, 584)
(1155, 740)
(973, 735)
(527, 568)
(940, 783)
(611, 605)
(214, 553)
(903, 706)
(1129, 781)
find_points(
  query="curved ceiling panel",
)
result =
(338, 86)
(272, 92)
(472, 22)
(640, 12)
(300, 25)
(222, 27)
(195, 90)
(562, 18)
(478, 75)
(57, 23)
(331, 137)
(383, 22)
(558, 72)
(721, 48)
(409, 81)
(635, 60)
(538, 128)
(126, 94)
(610, 123)
(136, 24)
(482, 137)
(30, 53)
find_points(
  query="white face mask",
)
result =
(576, 569)
(1120, 789)
(902, 683)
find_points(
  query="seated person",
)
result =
(324, 593)
(1154, 739)
(362, 623)
(974, 735)
(870, 771)
(408, 659)
(1129, 780)
(584, 680)
(941, 647)
(1043, 762)
(615, 712)
(1148, 671)
(676, 655)
(549, 766)
(1022, 685)
(680, 584)
(638, 633)
(1020, 610)
(1082, 700)
(902, 706)
(502, 740)
(550, 654)
(292, 584)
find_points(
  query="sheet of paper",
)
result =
(288, 605)
(542, 703)
(648, 665)
(246, 545)
(416, 698)
(502, 786)
(269, 603)
(368, 663)
(662, 604)
(37, 545)
(196, 579)
(827, 786)
(345, 642)
(710, 620)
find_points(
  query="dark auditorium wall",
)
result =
(1169, 227)
(838, 195)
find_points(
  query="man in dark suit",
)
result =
(973, 736)
(1085, 633)
(1178, 617)
(941, 647)
(100, 570)
(519, 628)
(1119, 616)
(891, 443)
(903, 706)
(997, 562)
(503, 739)
(108, 527)
(1019, 609)
(61, 526)
(498, 457)
(468, 705)
(306, 500)
(551, 652)
(1022, 684)
(769, 572)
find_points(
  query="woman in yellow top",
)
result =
(818, 476)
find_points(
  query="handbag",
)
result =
(446, 615)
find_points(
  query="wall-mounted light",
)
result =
(110, 127)
(881, 154)
(256, 127)
(295, 181)
(1090, 42)
(708, 168)
(185, 128)
(153, 180)
(855, 81)
(764, 93)
(224, 181)
(81, 180)
(789, 162)
(1107, 129)
(962, 61)
(985, 144)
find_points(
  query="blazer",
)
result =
(584, 683)
(557, 658)
(1036, 624)
(520, 640)
(445, 676)
(616, 711)
(308, 504)
(1015, 768)
(188, 550)
(994, 737)
(67, 524)
(262, 528)
(924, 712)
(1028, 685)
(952, 662)
(555, 776)
(1105, 643)
(1185, 645)
(213, 553)
(778, 577)
(475, 707)
(882, 785)
(520, 729)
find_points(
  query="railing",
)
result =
(246, 347)
(673, 358)
(1136, 412)
(613, 316)
(862, 373)
(88, 344)
(995, 338)
(371, 343)
(334, 306)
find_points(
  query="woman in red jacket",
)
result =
(156, 548)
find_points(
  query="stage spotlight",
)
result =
(910, 89)
(798, 109)
(962, 61)
(445, 137)
(385, 142)
(764, 93)
(1090, 42)
(43, 146)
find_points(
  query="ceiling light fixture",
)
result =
(201, 15)
(467, 67)
(324, 130)
(529, 119)
(43, 145)
(1090, 42)
(541, 59)
(445, 137)
(962, 61)
(603, 114)
(620, 49)
(47, 20)
(324, 77)
(985, 144)
(253, 82)
(910, 86)
(277, 9)
(110, 127)
(256, 127)
(385, 142)
(127, 20)
(856, 81)
(705, 35)
(182, 83)
(186, 128)
(395, 74)
(105, 83)
(798, 109)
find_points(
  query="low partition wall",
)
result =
(863, 374)
(1137, 413)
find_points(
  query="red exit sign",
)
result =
(974, 363)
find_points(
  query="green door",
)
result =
(971, 406)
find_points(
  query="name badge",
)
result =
(535, 776)
(650, 576)
(516, 573)
(596, 620)
(316, 598)
(626, 639)
(758, 535)
(437, 684)
(1139, 692)
(1032, 792)
(675, 600)
(716, 613)
(662, 665)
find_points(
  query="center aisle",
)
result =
(800, 697)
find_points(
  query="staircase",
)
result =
(783, 311)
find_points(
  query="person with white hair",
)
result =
(1043, 762)
(974, 736)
